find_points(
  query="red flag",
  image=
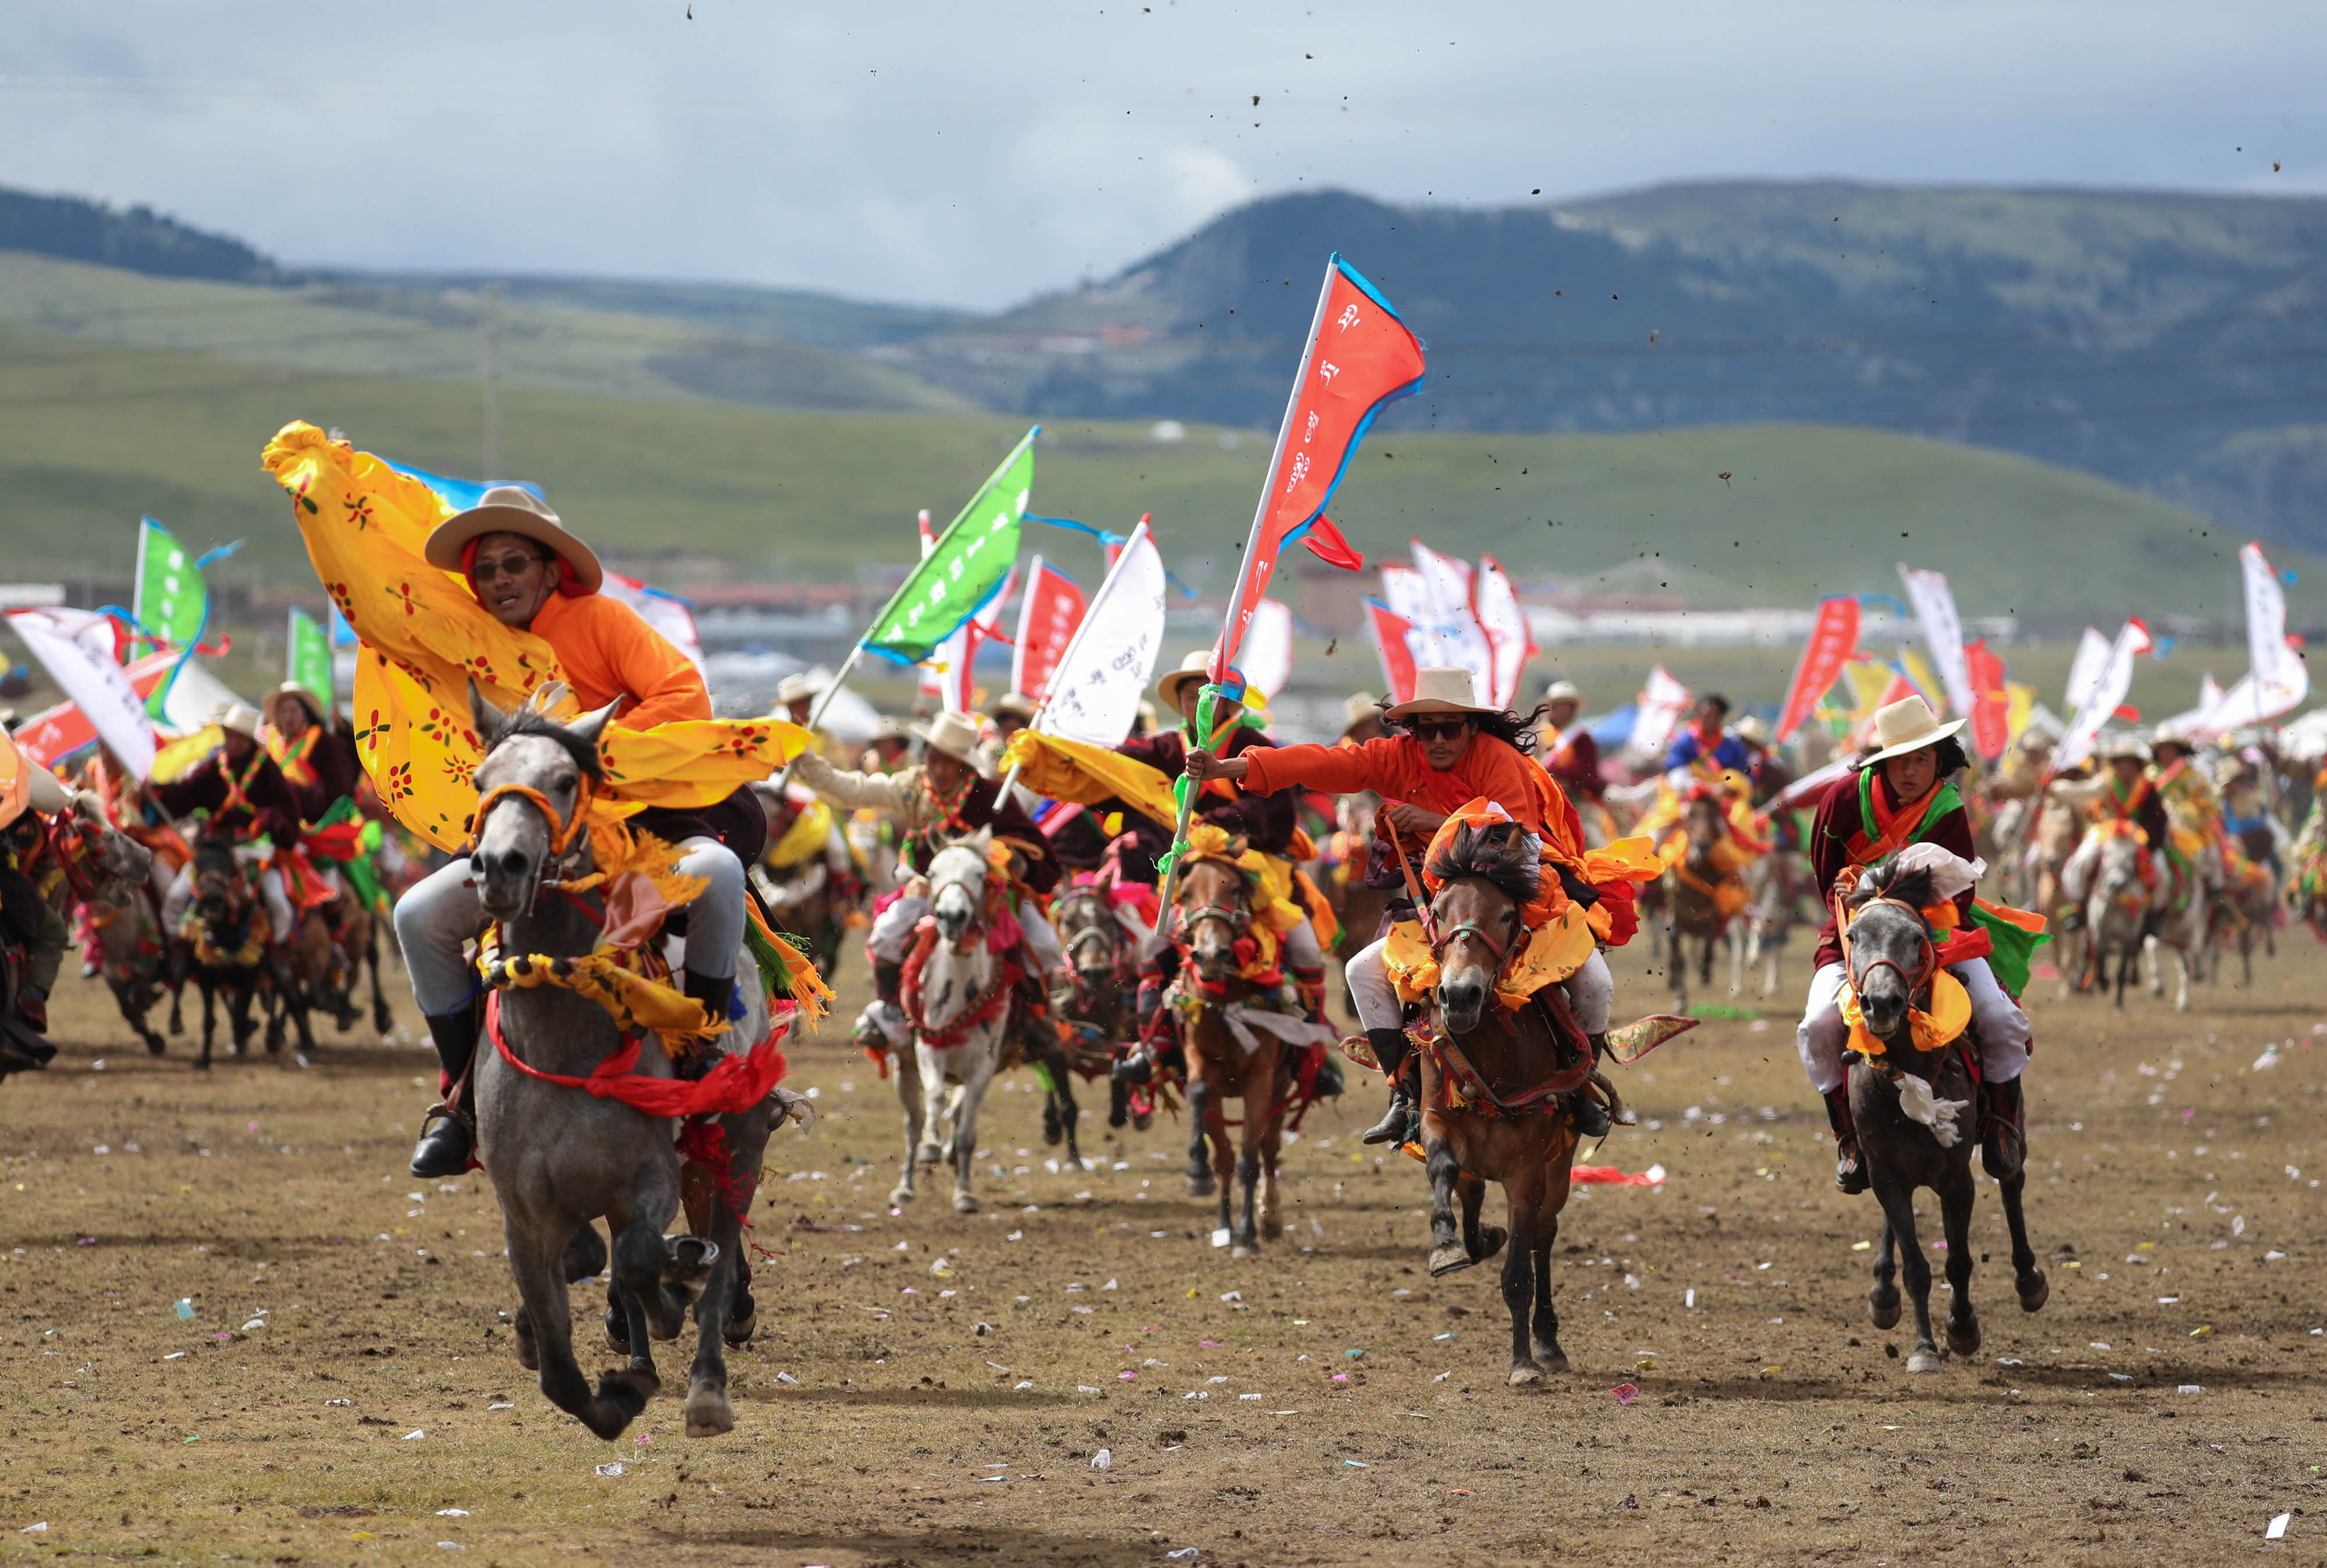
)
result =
(1991, 705)
(1833, 640)
(1360, 357)
(1396, 655)
(1325, 542)
(1047, 618)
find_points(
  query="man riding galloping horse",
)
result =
(1898, 795)
(1446, 750)
(529, 573)
(249, 800)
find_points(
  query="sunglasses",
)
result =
(1440, 729)
(487, 568)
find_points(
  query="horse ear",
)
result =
(591, 725)
(487, 718)
(982, 840)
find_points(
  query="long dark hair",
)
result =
(1508, 726)
(1949, 753)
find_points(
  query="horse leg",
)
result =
(381, 1018)
(964, 1123)
(1059, 1106)
(533, 1262)
(1545, 1330)
(1271, 1143)
(2027, 1279)
(1523, 1191)
(1898, 1201)
(1448, 1248)
(1481, 1241)
(709, 1412)
(1955, 1217)
(908, 1099)
(1883, 1300)
(932, 1067)
(1201, 1095)
(135, 1018)
(210, 1022)
(2182, 971)
(644, 1259)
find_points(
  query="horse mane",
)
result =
(1504, 853)
(530, 720)
(213, 852)
(1912, 888)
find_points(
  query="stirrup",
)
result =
(1850, 1170)
(1391, 1128)
(435, 1141)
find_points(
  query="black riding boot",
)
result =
(1390, 1047)
(445, 1142)
(2004, 1134)
(1849, 1169)
(1590, 1116)
(714, 992)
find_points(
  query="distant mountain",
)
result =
(2174, 342)
(136, 240)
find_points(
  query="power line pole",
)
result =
(492, 382)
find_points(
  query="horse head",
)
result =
(1214, 906)
(2119, 877)
(1707, 825)
(1890, 955)
(221, 892)
(957, 875)
(533, 792)
(1488, 876)
(1088, 931)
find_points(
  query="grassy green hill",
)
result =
(91, 434)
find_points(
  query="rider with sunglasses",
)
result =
(1445, 748)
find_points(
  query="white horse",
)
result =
(958, 1022)
(2189, 931)
(2116, 913)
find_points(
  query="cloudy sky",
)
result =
(972, 155)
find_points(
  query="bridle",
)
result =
(567, 839)
(1924, 969)
(1475, 930)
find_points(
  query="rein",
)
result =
(562, 835)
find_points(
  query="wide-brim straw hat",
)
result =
(1357, 708)
(955, 734)
(507, 508)
(1442, 691)
(1564, 691)
(1014, 704)
(1908, 725)
(798, 687)
(292, 688)
(1195, 667)
(240, 717)
(2121, 743)
(1752, 730)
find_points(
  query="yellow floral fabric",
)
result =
(1085, 774)
(1270, 884)
(1949, 1016)
(804, 838)
(1554, 950)
(426, 637)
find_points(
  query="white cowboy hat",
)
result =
(2172, 735)
(1752, 730)
(2122, 743)
(955, 734)
(1564, 691)
(1906, 725)
(1015, 703)
(240, 717)
(509, 509)
(292, 688)
(1442, 691)
(1196, 665)
(1359, 707)
(794, 688)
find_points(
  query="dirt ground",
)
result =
(345, 1390)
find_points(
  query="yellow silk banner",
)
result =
(426, 637)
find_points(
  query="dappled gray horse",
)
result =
(560, 1158)
(1917, 1119)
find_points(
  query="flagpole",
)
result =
(823, 701)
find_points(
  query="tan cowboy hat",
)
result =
(292, 688)
(507, 508)
(885, 728)
(1564, 691)
(2174, 736)
(2122, 743)
(1442, 691)
(240, 717)
(1906, 725)
(955, 734)
(1017, 704)
(796, 688)
(1752, 730)
(1196, 665)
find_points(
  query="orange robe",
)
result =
(607, 652)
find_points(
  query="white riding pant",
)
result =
(2002, 1027)
(893, 934)
(439, 915)
(181, 896)
(1591, 991)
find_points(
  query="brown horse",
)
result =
(1491, 1082)
(1694, 890)
(1212, 910)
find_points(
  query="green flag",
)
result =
(964, 569)
(310, 661)
(170, 601)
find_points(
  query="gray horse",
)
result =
(1891, 967)
(560, 1158)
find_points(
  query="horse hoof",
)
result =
(1550, 1358)
(1451, 1258)
(2034, 1291)
(690, 1260)
(201, 1066)
(1490, 1241)
(901, 1196)
(1964, 1339)
(927, 1154)
(738, 1329)
(1054, 1130)
(1244, 1249)
(155, 1045)
(1525, 1375)
(1882, 1311)
(527, 1356)
(708, 1413)
(1140, 1124)
(1201, 1186)
(964, 1203)
(1925, 1361)
(618, 1330)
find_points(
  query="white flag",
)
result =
(76, 648)
(1095, 693)
(1662, 702)
(2195, 721)
(1505, 624)
(2105, 698)
(1266, 655)
(1404, 592)
(666, 612)
(1446, 613)
(1935, 607)
(2085, 669)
